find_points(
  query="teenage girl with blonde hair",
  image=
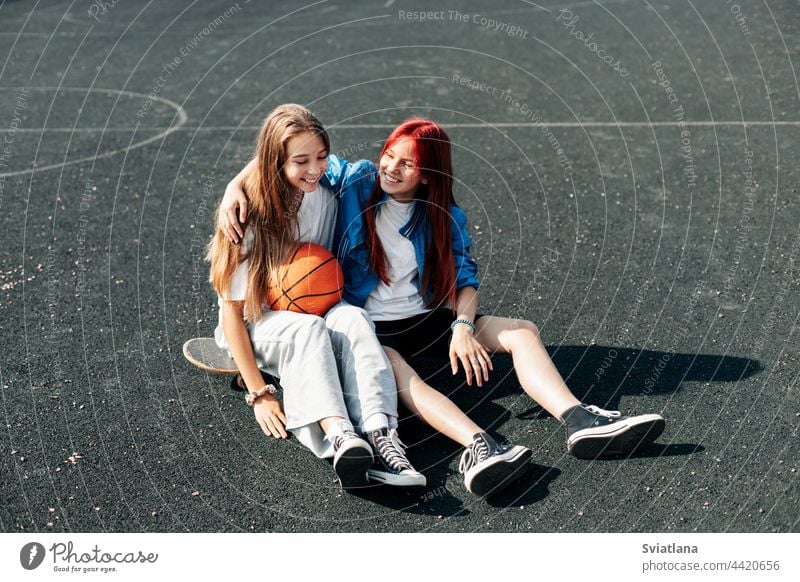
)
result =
(332, 369)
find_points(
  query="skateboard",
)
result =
(204, 353)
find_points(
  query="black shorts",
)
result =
(424, 335)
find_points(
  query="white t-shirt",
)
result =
(316, 220)
(401, 298)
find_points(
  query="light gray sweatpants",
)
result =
(331, 366)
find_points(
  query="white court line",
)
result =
(163, 132)
(486, 125)
(182, 117)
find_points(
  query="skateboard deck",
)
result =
(204, 353)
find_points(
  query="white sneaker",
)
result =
(352, 457)
(488, 467)
(593, 432)
(392, 467)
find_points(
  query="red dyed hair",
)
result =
(432, 157)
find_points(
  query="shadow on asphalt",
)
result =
(670, 450)
(437, 500)
(602, 374)
(598, 375)
(529, 489)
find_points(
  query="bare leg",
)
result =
(429, 404)
(535, 370)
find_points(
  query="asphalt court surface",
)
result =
(629, 172)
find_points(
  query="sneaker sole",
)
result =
(393, 480)
(352, 466)
(624, 439)
(495, 477)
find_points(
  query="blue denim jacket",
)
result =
(353, 182)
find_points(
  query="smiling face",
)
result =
(306, 161)
(399, 174)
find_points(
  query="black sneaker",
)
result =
(593, 432)
(391, 464)
(488, 467)
(352, 457)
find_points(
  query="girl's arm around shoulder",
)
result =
(466, 267)
(233, 208)
(267, 409)
(336, 173)
(342, 172)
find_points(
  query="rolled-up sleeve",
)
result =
(241, 276)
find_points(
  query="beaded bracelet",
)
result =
(466, 322)
(251, 397)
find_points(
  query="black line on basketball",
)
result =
(296, 283)
(289, 262)
(292, 303)
(332, 292)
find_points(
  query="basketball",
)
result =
(311, 281)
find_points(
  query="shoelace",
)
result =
(608, 413)
(473, 454)
(339, 439)
(391, 453)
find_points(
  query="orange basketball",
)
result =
(311, 282)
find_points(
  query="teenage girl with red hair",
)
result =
(404, 246)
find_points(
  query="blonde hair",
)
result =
(271, 213)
